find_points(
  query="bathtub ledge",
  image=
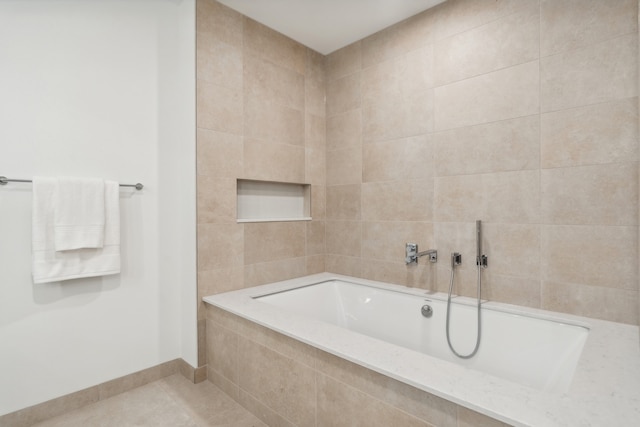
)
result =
(605, 388)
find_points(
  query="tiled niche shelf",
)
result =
(264, 201)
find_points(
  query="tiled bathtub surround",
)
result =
(288, 366)
(523, 114)
(287, 383)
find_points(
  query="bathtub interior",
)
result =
(533, 351)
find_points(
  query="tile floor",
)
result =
(170, 402)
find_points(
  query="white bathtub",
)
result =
(528, 349)
(529, 370)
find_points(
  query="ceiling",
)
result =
(328, 25)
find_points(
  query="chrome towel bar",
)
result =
(4, 180)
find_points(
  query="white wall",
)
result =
(98, 88)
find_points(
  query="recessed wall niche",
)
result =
(263, 201)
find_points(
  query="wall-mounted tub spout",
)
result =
(412, 254)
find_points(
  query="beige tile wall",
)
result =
(287, 383)
(260, 115)
(521, 113)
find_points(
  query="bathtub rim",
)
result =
(586, 403)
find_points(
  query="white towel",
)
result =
(79, 212)
(50, 265)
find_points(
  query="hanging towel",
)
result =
(79, 212)
(50, 265)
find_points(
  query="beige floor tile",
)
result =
(172, 402)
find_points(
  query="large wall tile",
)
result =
(417, 31)
(457, 16)
(344, 61)
(342, 405)
(220, 246)
(600, 194)
(393, 80)
(315, 92)
(223, 318)
(318, 201)
(219, 154)
(411, 34)
(219, 108)
(271, 83)
(316, 264)
(316, 167)
(616, 305)
(511, 197)
(343, 238)
(315, 238)
(316, 66)
(274, 271)
(218, 62)
(219, 21)
(435, 410)
(263, 42)
(410, 116)
(344, 166)
(514, 249)
(274, 162)
(510, 289)
(212, 282)
(409, 158)
(270, 241)
(600, 133)
(504, 94)
(222, 350)
(315, 132)
(591, 255)
(270, 122)
(569, 24)
(507, 145)
(282, 384)
(288, 347)
(381, 46)
(343, 202)
(508, 41)
(315, 84)
(216, 199)
(347, 265)
(343, 94)
(344, 130)
(407, 200)
(597, 73)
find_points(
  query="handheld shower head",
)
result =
(481, 259)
